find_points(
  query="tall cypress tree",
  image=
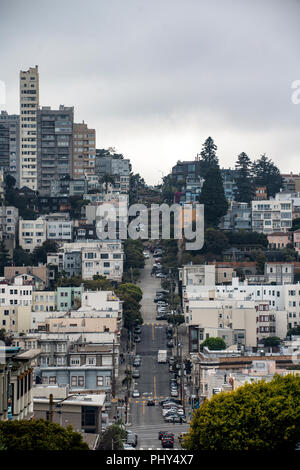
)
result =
(267, 174)
(245, 190)
(213, 198)
(209, 158)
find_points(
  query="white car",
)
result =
(135, 393)
(128, 447)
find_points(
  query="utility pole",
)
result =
(181, 378)
(113, 388)
(51, 408)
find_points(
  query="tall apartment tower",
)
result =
(84, 151)
(29, 104)
(55, 127)
(9, 144)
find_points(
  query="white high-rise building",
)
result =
(29, 104)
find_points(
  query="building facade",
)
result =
(29, 104)
(55, 150)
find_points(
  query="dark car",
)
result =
(137, 339)
(170, 343)
(137, 330)
(165, 434)
(151, 402)
(167, 443)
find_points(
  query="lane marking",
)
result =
(154, 380)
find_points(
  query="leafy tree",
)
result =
(209, 158)
(215, 241)
(260, 262)
(39, 435)
(271, 341)
(267, 174)
(5, 337)
(5, 259)
(112, 438)
(294, 331)
(213, 197)
(98, 283)
(214, 344)
(245, 190)
(134, 257)
(131, 295)
(40, 252)
(176, 319)
(258, 416)
(107, 179)
(244, 237)
(22, 257)
(295, 224)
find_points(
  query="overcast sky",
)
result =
(155, 78)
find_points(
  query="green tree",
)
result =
(260, 262)
(40, 252)
(271, 341)
(39, 435)
(98, 283)
(112, 438)
(266, 173)
(214, 344)
(213, 197)
(215, 241)
(131, 295)
(209, 158)
(245, 190)
(5, 259)
(258, 416)
(22, 257)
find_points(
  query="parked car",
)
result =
(170, 343)
(136, 374)
(135, 393)
(136, 363)
(137, 339)
(132, 438)
(127, 446)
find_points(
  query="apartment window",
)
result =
(74, 381)
(91, 360)
(75, 361)
(52, 379)
(80, 381)
(107, 381)
(99, 381)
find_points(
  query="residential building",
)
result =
(15, 318)
(10, 144)
(44, 301)
(16, 382)
(68, 187)
(228, 176)
(279, 273)
(18, 293)
(103, 257)
(82, 411)
(29, 104)
(32, 233)
(184, 169)
(271, 215)
(41, 272)
(278, 240)
(55, 130)
(60, 231)
(69, 298)
(9, 219)
(84, 151)
(260, 193)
